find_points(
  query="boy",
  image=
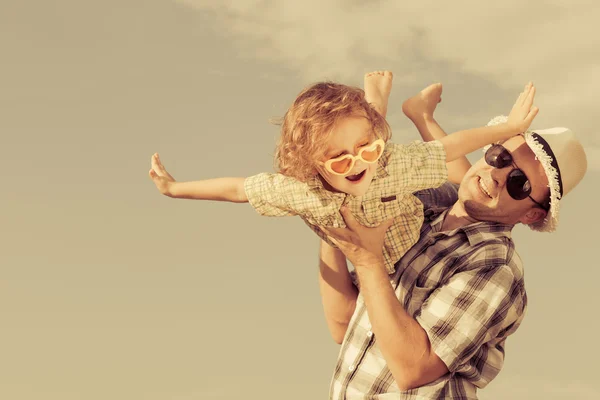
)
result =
(334, 152)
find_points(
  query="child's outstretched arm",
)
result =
(522, 114)
(419, 109)
(221, 189)
(378, 85)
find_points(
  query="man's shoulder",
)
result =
(495, 252)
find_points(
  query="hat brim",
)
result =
(544, 155)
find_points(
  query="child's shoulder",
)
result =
(414, 149)
(412, 145)
(278, 181)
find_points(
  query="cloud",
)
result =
(505, 43)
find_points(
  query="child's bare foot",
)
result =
(378, 85)
(423, 104)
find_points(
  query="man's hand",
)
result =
(159, 175)
(363, 246)
(523, 112)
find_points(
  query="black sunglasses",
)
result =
(517, 183)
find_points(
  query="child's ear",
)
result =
(533, 215)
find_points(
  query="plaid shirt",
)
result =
(465, 288)
(402, 170)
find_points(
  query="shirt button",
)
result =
(352, 368)
(369, 334)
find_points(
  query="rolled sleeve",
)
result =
(470, 310)
(267, 194)
(441, 197)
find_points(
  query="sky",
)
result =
(110, 290)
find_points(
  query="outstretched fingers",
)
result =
(159, 169)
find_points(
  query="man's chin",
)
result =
(478, 211)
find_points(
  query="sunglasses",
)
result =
(517, 183)
(343, 164)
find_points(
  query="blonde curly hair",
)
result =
(307, 125)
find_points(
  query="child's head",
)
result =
(328, 118)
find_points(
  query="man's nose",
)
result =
(499, 175)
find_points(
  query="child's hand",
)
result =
(523, 111)
(159, 175)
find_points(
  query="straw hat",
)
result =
(564, 161)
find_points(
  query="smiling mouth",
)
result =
(484, 188)
(357, 177)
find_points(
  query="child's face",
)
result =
(349, 135)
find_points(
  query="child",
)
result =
(334, 150)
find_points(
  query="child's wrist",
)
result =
(172, 189)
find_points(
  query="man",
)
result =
(437, 327)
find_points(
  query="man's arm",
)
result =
(403, 342)
(338, 293)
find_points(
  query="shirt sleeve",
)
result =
(271, 195)
(419, 165)
(471, 309)
(442, 196)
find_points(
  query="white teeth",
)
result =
(355, 177)
(484, 188)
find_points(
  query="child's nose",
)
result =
(359, 164)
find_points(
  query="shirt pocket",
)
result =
(382, 208)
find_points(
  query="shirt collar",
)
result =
(314, 182)
(476, 232)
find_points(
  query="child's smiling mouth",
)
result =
(357, 177)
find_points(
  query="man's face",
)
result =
(349, 135)
(483, 192)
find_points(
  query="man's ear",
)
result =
(533, 215)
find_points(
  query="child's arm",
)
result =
(522, 114)
(419, 109)
(221, 189)
(430, 130)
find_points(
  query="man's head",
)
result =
(327, 120)
(523, 180)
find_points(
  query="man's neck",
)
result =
(456, 217)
